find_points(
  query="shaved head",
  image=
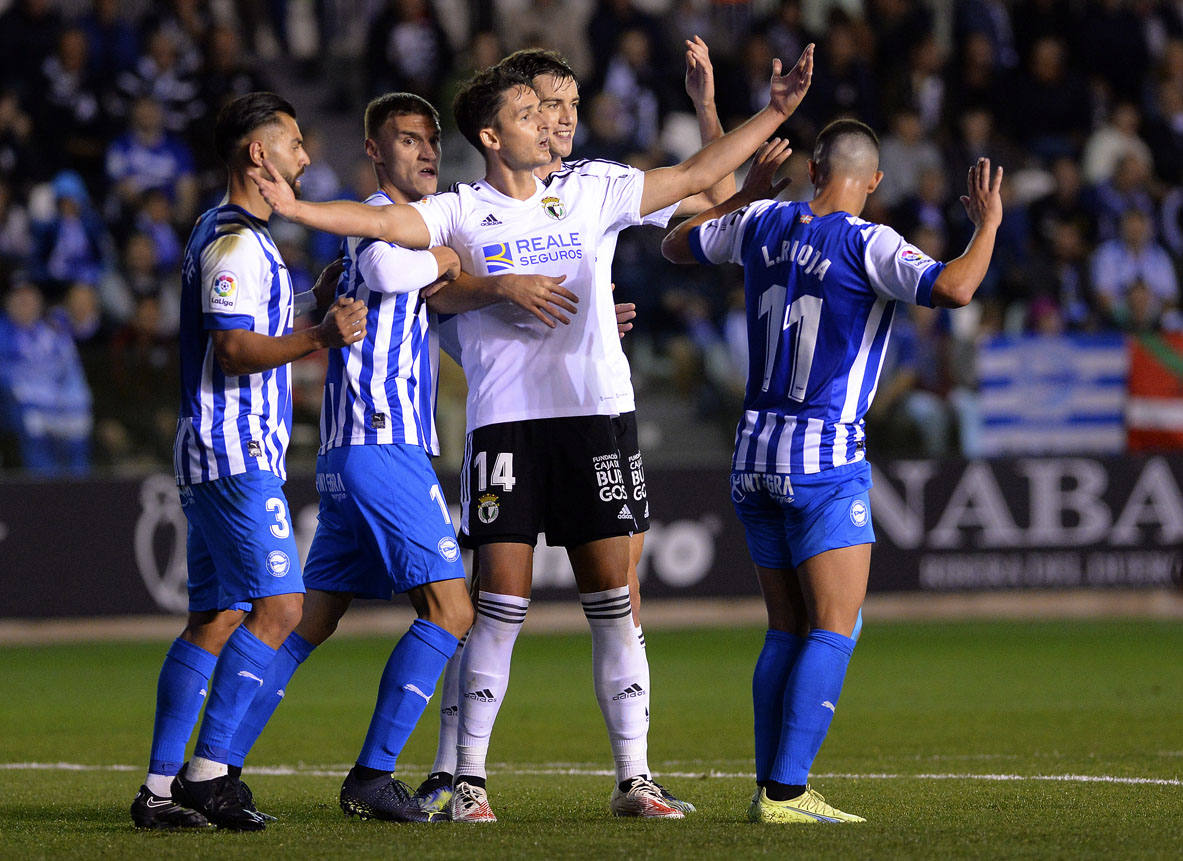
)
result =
(846, 148)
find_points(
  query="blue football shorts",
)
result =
(384, 526)
(240, 544)
(788, 519)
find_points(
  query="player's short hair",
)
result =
(532, 62)
(390, 105)
(829, 145)
(481, 97)
(242, 116)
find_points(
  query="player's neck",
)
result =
(395, 194)
(838, 198)
(243, 193)
(547, 169)
(519, 184)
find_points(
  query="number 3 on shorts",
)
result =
(280, 528)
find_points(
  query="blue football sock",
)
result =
(238, 677)
(811, 697)
(768, 694)
(858, 626)
(294, 651)
(407, 685)
(180, 693)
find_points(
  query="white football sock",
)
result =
(621, 673)
(449, 690)
(160, 785)
(204, 769)
(484, 676)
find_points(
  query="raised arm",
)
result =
(757, 185)
(398, 223)
(700, 87)
(960, 278)
(666, 185)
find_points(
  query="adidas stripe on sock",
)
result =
(621, 672)
(484, 676)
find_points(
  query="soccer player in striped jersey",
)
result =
(822, 287)
(543, 451)
(384, 524)
(232, 436)
(558, 92)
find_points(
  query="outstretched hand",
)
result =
(787, 91)
(275, 189)
(983, 202)
(326, 283)
(700, 74)
(759, 184)
(541, 295)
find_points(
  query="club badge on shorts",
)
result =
(859, 513)
(487, 508)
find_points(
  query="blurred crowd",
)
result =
(107, 107)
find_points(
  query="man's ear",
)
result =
(372, 151)
(489, 138)
(255, 153)
(875, 180)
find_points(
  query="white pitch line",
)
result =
(574, 770)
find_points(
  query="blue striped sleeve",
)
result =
(228, 321)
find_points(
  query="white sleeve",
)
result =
(389, 268)
(621, 205)
(662, 217)
(441, 214)
(232, 276)
(898, 269)
(720, 240)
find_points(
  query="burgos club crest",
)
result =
(488, 509)
(554, 207)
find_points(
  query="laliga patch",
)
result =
(278, 563)
(859, 513)
(449, 549)
(224, 291)
(553, 207)
(914, 257)
(498, 257)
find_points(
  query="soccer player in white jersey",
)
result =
(558, 92)
(821, 287)
(384, 524)
(235, 421)
(542, 452)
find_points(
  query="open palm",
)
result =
(788, 90)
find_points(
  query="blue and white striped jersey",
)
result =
(382, 389)
(820, 293)
(233, 278)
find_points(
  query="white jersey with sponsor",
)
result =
(232, 278)
(821, 292)
(621, 373)
(517, 368)
(382, 388)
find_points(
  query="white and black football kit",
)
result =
(520, 370)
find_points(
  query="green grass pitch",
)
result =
(1036, 740)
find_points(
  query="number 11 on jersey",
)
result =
(805, 313)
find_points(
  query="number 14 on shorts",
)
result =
(502, 475)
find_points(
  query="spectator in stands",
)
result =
(114, 43)
(408, 50)
(1164, 131)
(1134, 277)
(155, 218)
(609, 22)
(1049, 104)
(904, 154)
(16, 240)
(67, 110)
(1128, 188)
(29, 31)
(785, 30)
(920, 86)
(160, 74)
(978, 80)
(73, 245)
(44, 398)
(186, 23)
(143, 364)
(137, 277)
(842, 80)
(1113, 44)
(1113, 141)
(148, 158)
(1068, 202)
(226, 73)
(632, 79)
(992, 19)
(20, 160)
